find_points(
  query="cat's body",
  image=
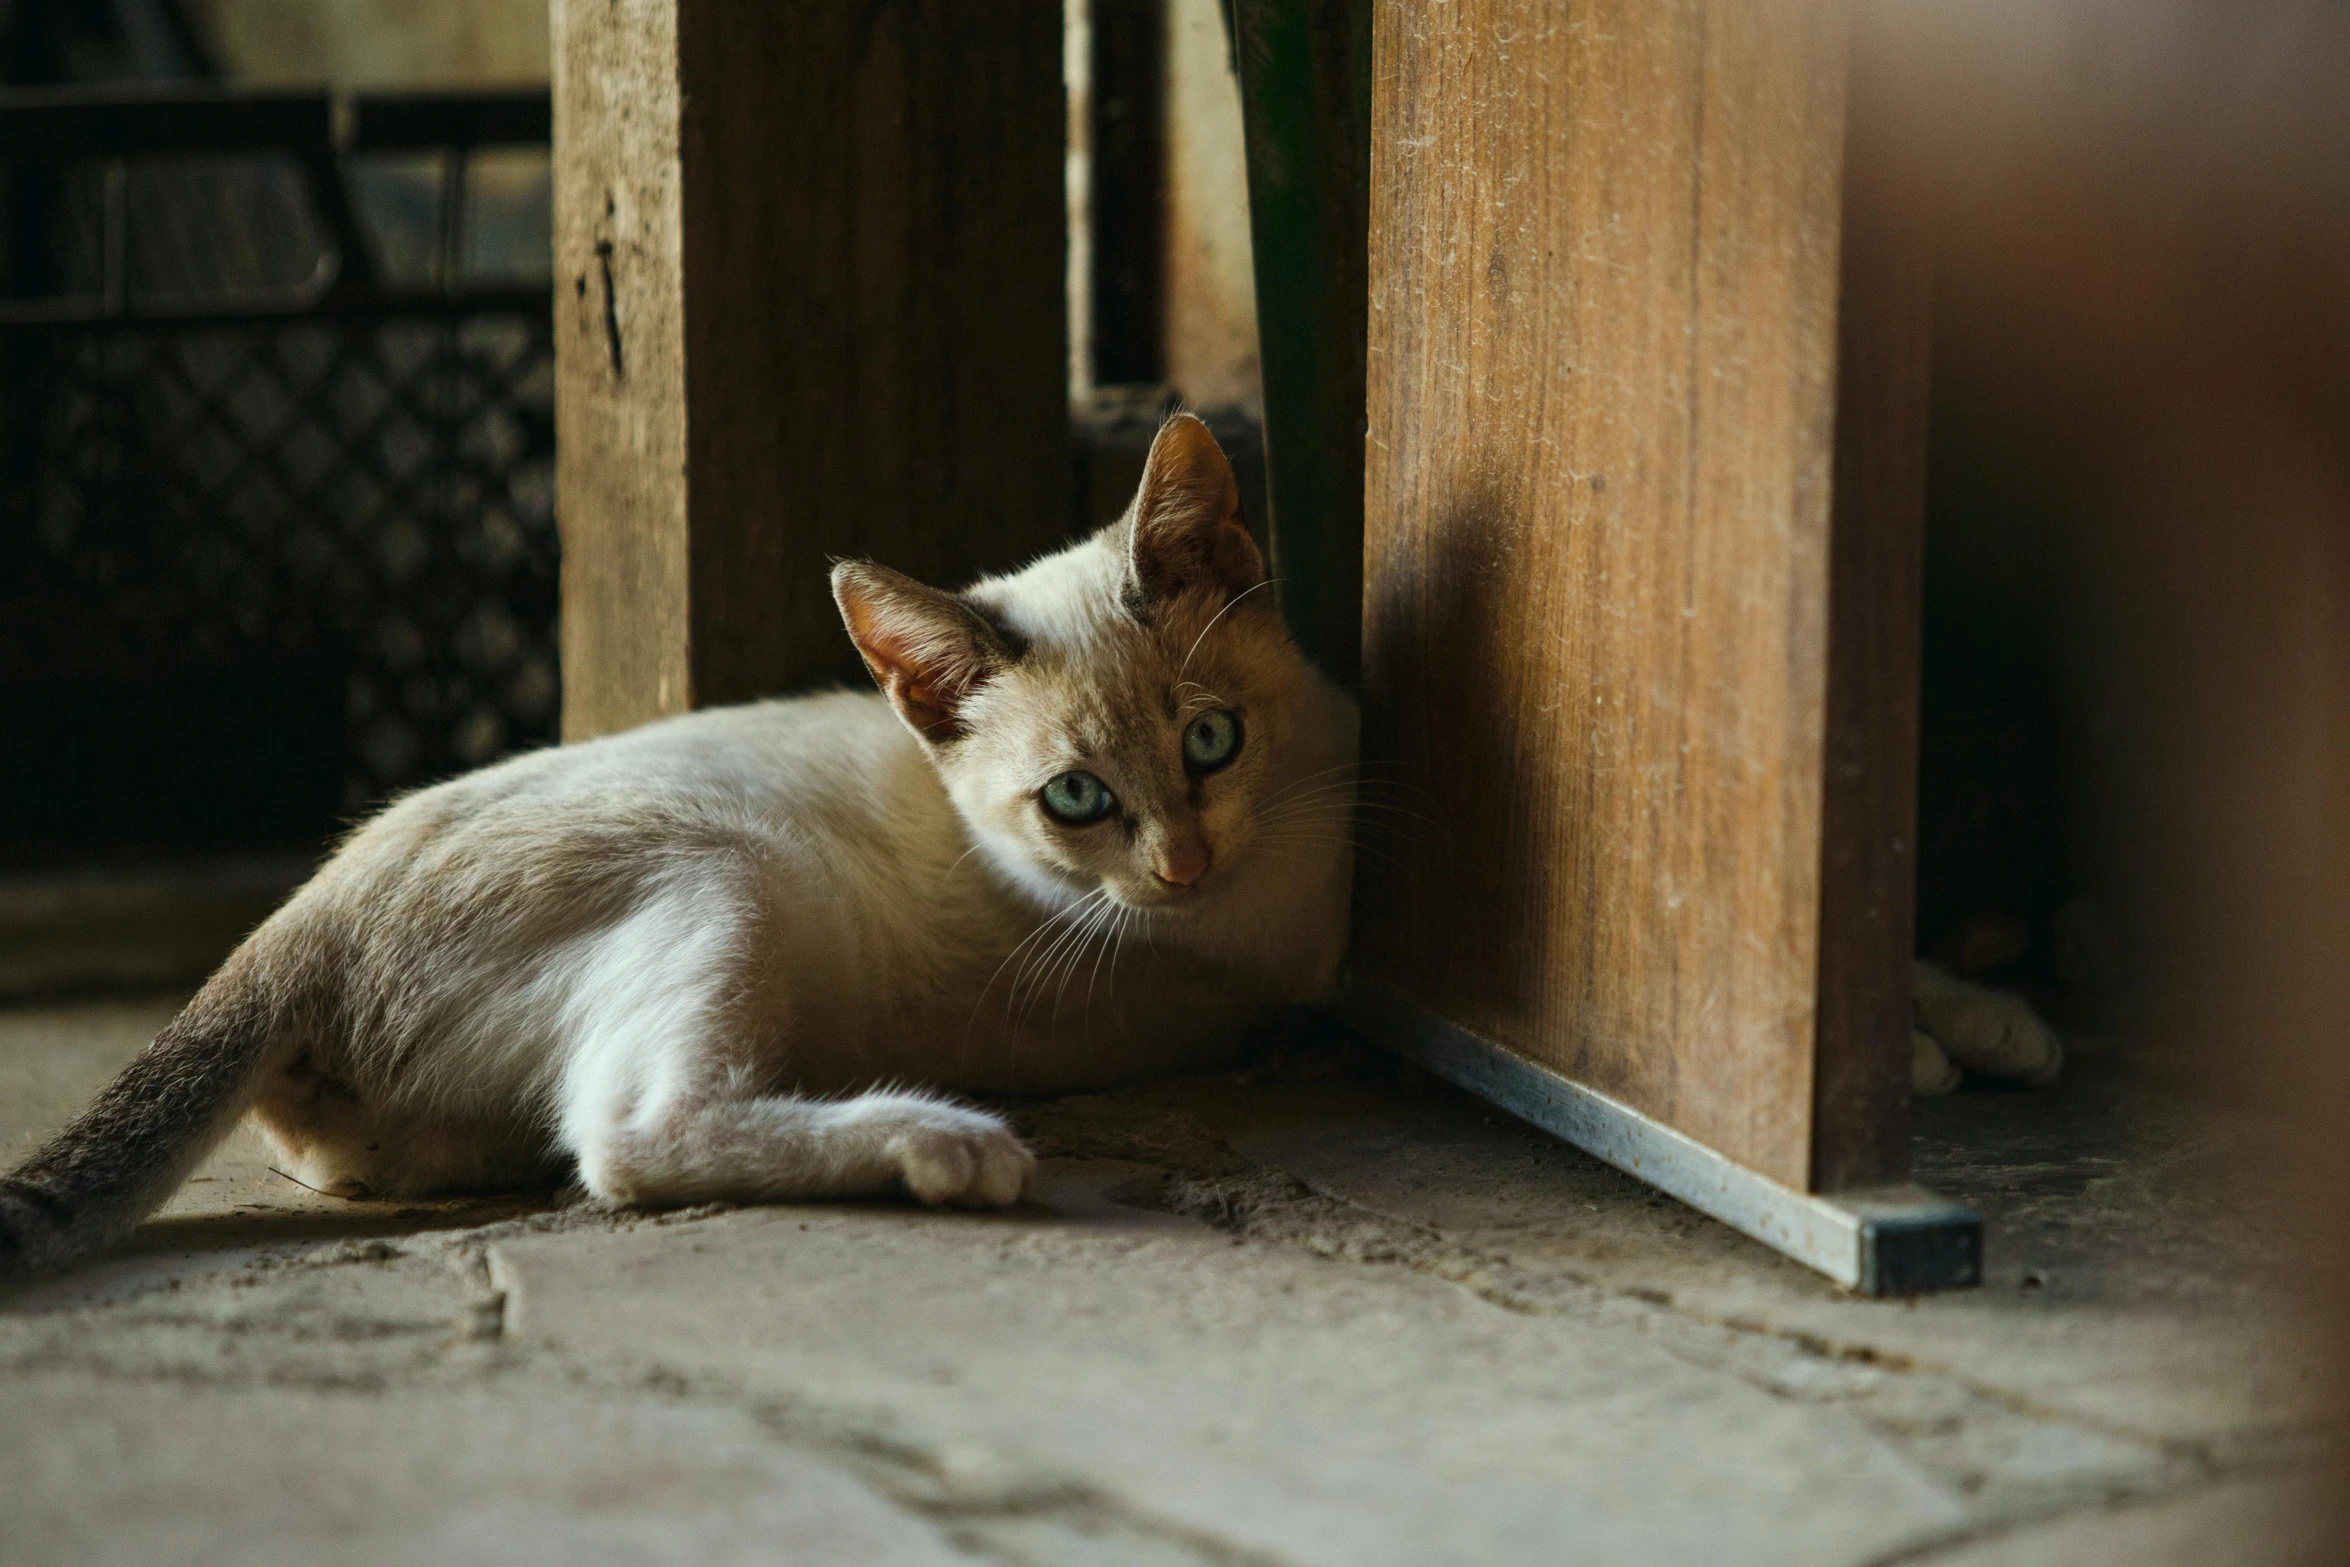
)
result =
(1092, 824)
(781, 895)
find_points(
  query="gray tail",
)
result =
(131, 1149)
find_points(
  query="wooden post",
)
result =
(1869, 785)
(1305, 92)
(809, 272)
(1644, 492)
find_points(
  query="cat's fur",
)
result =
(1961, 1024)
(687, 962)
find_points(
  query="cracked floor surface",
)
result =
(1322, 1312)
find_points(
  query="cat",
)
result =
(1091, 824)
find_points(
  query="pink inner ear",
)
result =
(938, 721)
(1188, 530)
(927, 683)
(920, 645)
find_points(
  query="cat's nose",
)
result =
(1182, 863)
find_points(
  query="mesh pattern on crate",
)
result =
(377, 490)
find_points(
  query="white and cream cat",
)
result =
(1093, 822)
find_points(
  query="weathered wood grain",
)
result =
(1599, 558)
(620, 476)
(810, 302)
(1868, 836)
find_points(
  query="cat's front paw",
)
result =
(953, 1157)
(1986, 1030)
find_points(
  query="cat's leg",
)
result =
(658, 1101)
(1981, 1029)
(779, 1148)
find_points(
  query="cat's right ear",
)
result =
(1185, 530)
(928, 651)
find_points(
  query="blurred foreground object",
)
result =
(2143, 239)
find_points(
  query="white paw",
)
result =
(960, 1158)
(1986, 1030)
(1931, 1073)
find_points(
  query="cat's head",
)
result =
(1112, 717)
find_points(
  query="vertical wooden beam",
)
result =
(620, 403)
(1868, 835)
(1305, 96)
(810, 302)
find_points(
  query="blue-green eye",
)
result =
(1078, 798)
(1211, 740)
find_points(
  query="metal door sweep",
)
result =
(1879, 1240)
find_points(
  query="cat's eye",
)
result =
(1077, 798)
(1211, 740)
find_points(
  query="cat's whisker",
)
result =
(1383, 790)
(1057, 962)
(1032, 968)
(1092, 979)
(1333, 786)
(1391, 803)
(1350, 825)
(1099, 932)
(1094, 927)
(1356, 787)
(1211, 625)
(1324, 816)
(1342, 792)
(1308, 834)
(1041, 927)
(1360, 768)
(1334, 800)
(1140, 921)
(1070, 941)
(1337, 808)
(1295, 784)
(1296, 854)
(1126, 927)
(1326, 841)
(1335, 767)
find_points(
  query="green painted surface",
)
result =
(1305, 79)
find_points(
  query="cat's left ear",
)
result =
(928, 651)
(1187, 528)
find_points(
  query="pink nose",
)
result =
(1181, 864)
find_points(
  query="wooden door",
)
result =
(1643, 494)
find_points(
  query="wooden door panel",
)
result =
(1602, 370)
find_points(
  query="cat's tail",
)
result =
(151, 1126)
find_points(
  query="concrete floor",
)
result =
(1324, 1313)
